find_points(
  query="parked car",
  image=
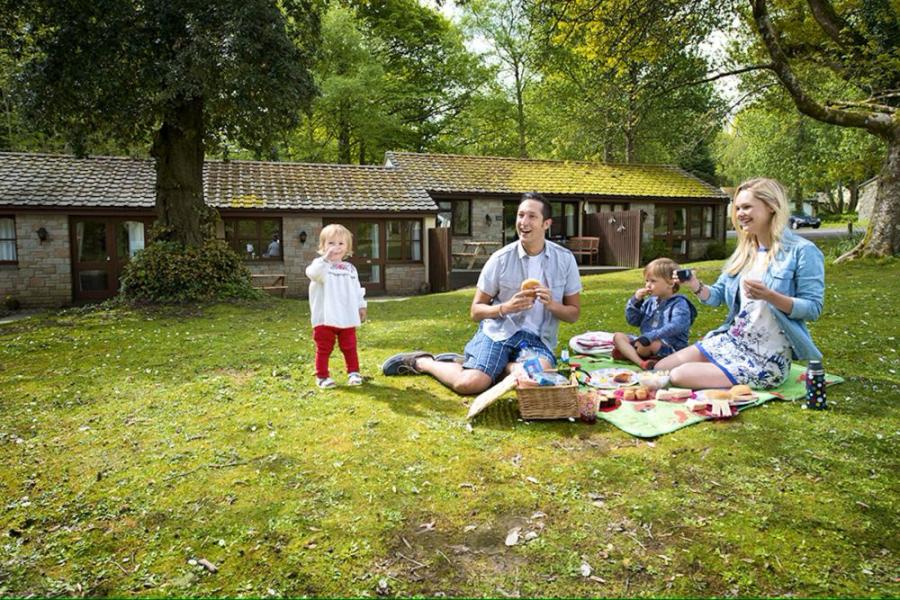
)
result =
(800, 220)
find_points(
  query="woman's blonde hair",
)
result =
(662, 268)
(772, 194)
(335, 232)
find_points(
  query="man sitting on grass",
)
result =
(511, 320)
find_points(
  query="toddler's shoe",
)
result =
(648, 365)
(616, 355)
(325, 382)
(354, 379)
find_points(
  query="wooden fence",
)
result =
(620, 236)
(439, 259)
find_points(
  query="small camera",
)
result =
(684, 275)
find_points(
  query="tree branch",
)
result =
(833, 25)
(878, 123)
(672, 88)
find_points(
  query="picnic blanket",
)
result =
(652, 418)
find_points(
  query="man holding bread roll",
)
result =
(525, 289)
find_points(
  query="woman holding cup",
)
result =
(772, 284)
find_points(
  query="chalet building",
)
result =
(69, 225)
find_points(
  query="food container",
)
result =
(547, 401)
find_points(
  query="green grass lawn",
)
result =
(135, 443)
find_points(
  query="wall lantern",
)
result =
(303, 237)
(487, 219)
(42, 234)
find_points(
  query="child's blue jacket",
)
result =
(669, 321)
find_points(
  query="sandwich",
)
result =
(622, 377)
(530, 284)
(741, 393)
(673, 394)
(717, 394)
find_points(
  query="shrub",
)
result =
(716, 251)
(168, 272)
(653, 250)
(11, 303)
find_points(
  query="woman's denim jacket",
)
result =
(798, 270)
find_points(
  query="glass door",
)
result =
(93, 248)
(368, 254)
(100, 249)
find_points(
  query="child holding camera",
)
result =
(664, 317)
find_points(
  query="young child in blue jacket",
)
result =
(664, 317)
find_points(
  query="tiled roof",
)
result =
(54, 180)
(60, 181)
(486, 174)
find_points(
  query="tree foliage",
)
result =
(839, 62)
(185, 75)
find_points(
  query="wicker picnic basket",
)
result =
(548, 401)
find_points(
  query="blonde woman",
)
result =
(772, 284)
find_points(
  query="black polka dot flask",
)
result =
(815, 385)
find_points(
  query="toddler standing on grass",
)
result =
(665, 318)
(337, 303)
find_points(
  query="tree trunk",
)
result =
(362, 152)
(178, 152)
(343, 134)
(854, 196)
(883, 236)
(520, 113)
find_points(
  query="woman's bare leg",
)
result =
(689, 368)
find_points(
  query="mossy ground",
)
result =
(134, 441)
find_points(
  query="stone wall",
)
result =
(43, 276)
(400, 279)
(481, 230)
(405, 279)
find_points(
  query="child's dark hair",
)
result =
(546, 209)
(662, 268)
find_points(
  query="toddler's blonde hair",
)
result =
(335, 232)
(662, 268)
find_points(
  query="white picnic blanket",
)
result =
(592, 343)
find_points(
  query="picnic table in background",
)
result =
(588, 247)
(269, 282)
(473, 250)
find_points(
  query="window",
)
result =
(255, 238)
(7, 240)
(404, 240)
(595, 207)
(677, 226)
(457, 215)
(565, 220)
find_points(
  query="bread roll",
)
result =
(717, 394)
(628, 395)
(530, 284)
(741, 392)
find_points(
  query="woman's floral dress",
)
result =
(754, 350)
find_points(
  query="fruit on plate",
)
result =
(530, 284)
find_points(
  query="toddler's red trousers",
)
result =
(324, 336)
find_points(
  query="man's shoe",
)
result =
(450, 357)
(403, 363)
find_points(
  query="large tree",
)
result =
(622, 65)
(855, 42)
(506, 26)
(178, 76)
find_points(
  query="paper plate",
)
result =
(592, 343)
(603, 378)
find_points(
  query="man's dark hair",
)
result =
(546, 209)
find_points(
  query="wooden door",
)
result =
(101, 247)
